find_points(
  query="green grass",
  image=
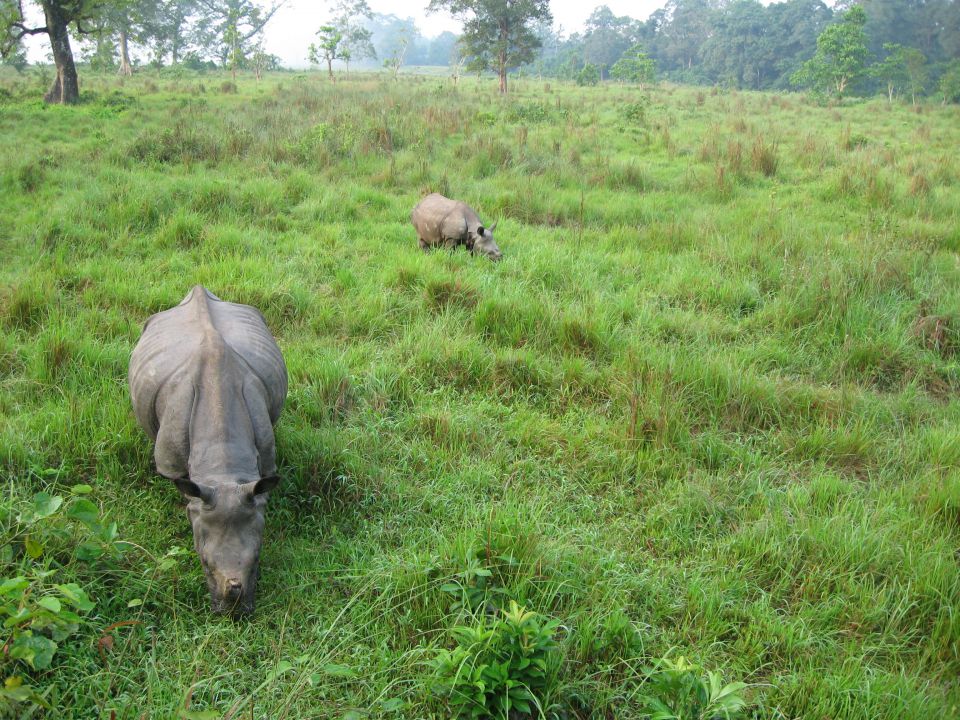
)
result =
(706, 401)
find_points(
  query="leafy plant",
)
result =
(635, 66)
(38, 612)
(588, 75)
(636, 112)
(841, 55)
(950, 83)
(678, 690)
(529, 112)
(475, 588)
(503, 669)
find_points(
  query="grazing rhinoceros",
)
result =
(208, 382)
(440, 221)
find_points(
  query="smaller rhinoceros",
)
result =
(442, 222)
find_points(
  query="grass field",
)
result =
(706, 406)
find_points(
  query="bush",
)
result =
(950, 83)
(589, 75)
(677, 689)
(529, 112)
(500, 669)
(636, 112)
(176, 144)
(39, 610)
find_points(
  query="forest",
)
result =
(912, 46)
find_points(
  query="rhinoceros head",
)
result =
(227, 520)
(482, 242)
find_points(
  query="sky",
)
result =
(293, 27)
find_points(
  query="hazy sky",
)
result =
(293, 27)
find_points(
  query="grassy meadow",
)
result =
(706, 406)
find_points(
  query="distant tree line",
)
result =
(744, 44)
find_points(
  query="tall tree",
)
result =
(15, 56)
(228, 29)
(841, 55)
(59, 17)
(356, 41)
(165, 28)
(387, 31)
(685, 28)
(441, 49)
(793, 27)
(903, 67)
(125, 22)
(740, 52)
(498, 33)
(606, 37)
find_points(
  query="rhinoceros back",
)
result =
(438, 218)
(171, 341)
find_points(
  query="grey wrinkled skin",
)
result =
(442, 222)
(208, 382)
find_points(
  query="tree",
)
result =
(685, 26)
(950, 83)
(902, 67)
(59, 17)
(329, 48)
(457, 61)
(227, 29)
(589, 75)
(498, 33)
(164, 28)
(15, 57)
(441, 48)
(740, 51)
(635, 66)
(126, 21)
(356, 41)
(793, 27)
(841, 55)
(606, 37)
(386, 31)
(395, 61)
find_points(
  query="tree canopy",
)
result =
(841, 56)
(498, 34)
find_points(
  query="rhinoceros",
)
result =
(207, 382)
(440, 221)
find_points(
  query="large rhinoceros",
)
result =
(442, 222)
(207, 382)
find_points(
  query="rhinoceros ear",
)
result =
(264, 485)
(494, 226)
(190, 489)
(480, 230)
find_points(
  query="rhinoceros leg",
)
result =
(424, 245)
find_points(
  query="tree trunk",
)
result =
(66, 86)
(330, 69)
(502, 72)
(125, 67)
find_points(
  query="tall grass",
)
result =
(705, 406)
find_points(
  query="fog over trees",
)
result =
(909, 47)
